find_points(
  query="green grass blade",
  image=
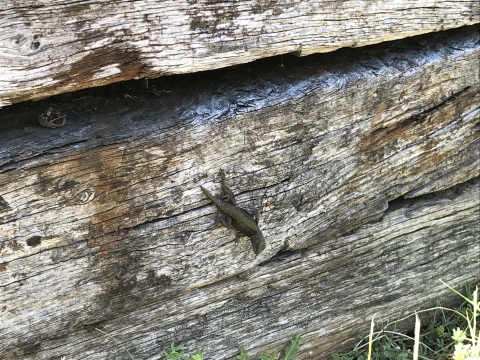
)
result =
(292, 349)
(243, 354)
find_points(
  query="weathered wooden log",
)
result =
(325, 293)
(103, 223)
(52, 47)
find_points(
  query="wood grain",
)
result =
(52, 47)
(103, 223)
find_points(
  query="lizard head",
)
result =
(258, 243)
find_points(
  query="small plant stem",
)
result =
(416, 344)
(475, 311)
(370, 338)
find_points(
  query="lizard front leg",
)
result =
(226, 190)
(256, 216)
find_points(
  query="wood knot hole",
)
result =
(34, 240)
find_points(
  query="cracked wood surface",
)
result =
(326, 293)
(59, 46)
(103, 223)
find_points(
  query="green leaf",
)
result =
(243, 354)
(176, 348)
(264, 356)
(173, 356)
(459, 335)
(197, 356)
(174, 353)
(292, 349)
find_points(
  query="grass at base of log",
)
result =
(452, 334)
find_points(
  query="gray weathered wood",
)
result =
(51, 47)
(102, 221)
(326, 293)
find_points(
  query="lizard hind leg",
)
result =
(238, 237)
(222, 220)
(225, 220)
(256, 216)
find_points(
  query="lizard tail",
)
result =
(206, 192)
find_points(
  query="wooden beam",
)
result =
(102, 221)
(58, 46)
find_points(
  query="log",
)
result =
(326, 293)
(47, 48)
(103, 223)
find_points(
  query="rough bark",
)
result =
(103, 224)
(51, 47)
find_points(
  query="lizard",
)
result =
(236, 217)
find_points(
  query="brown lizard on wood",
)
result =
(236, 217)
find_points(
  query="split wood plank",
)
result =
(52, 47)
